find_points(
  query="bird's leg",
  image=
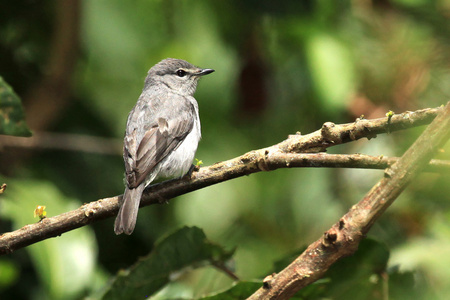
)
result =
(191, 170)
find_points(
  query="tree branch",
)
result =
(351, 161)
(283, 155)
(65, 142)
(344, 237)
(331, 134)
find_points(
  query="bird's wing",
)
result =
(163, 136)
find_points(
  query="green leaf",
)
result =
(402, 285)
(12, 116)
(184, 249)
(359, 275)
(65, 265)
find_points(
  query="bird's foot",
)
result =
(191, 170)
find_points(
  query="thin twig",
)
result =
(354, 161)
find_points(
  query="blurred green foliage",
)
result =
(65, 265)
(281, 67)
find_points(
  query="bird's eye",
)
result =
(181, 73)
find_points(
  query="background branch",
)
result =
(344, 237)
(64, 141)
(265, 159)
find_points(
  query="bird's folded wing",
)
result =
(158, 142)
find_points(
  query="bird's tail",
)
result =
(126, 219)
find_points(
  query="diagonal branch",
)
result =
(344, 237)
(283, 155)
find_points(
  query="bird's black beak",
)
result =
(204, 72)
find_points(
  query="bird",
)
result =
(162, 133)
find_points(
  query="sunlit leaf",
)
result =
(64, 264)
(40, 212)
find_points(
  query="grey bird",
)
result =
(162, 134)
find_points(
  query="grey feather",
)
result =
(162, 134)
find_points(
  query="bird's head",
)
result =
(176, 74)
